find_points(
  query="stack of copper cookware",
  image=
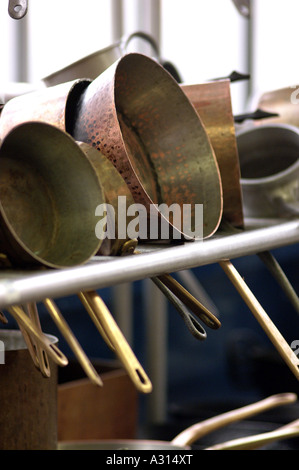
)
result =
(133, 131)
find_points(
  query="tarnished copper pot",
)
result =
(212, 101)
(137, 115)
(48, 195)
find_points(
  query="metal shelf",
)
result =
(17, 287)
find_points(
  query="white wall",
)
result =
(275, 45)
(203, 38)
(62, 31)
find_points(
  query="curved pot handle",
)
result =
(198, 430)
(148, 38)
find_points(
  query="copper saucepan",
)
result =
(187, 437)
(46, 214)
(137, 115)
(212, 101)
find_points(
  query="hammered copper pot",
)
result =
(137, 115)
(212, 101)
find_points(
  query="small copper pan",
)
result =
(137, 115)
(212, 101)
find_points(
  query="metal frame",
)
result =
(17, 287)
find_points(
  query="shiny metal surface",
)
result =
(269, 165)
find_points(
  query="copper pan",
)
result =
(137, 115)
(46, 215)
(54, 105)
(212, 101)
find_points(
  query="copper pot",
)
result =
(212, 101)
(46, 215)
(55, 105)
(137, 115)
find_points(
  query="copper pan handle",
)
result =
(72, 342)
(190, 301)
(92, 301)
(276, 270)
(22, 319)
(191, 322)
(41, 355)
(261, 316)
(198, 430)
(289, 431)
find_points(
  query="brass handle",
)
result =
(41, 355)
(72, 341)
(25, 322)
(190, 301)
(261, 316)
(92, 301)
(198, 430)
(259, 440)
(276, 270)
(3, 318)
(192, 324)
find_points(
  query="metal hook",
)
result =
(17, 9)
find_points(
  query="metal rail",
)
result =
(17, 287)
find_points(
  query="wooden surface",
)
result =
(86, 411)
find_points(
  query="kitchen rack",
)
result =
(19, 286)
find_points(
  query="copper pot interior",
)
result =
(47, 214)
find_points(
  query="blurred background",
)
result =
(204, 39)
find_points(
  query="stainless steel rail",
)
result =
(17, 287)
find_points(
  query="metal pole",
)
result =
(155, 307)
(117, 10)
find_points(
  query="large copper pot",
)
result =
(137, 115)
